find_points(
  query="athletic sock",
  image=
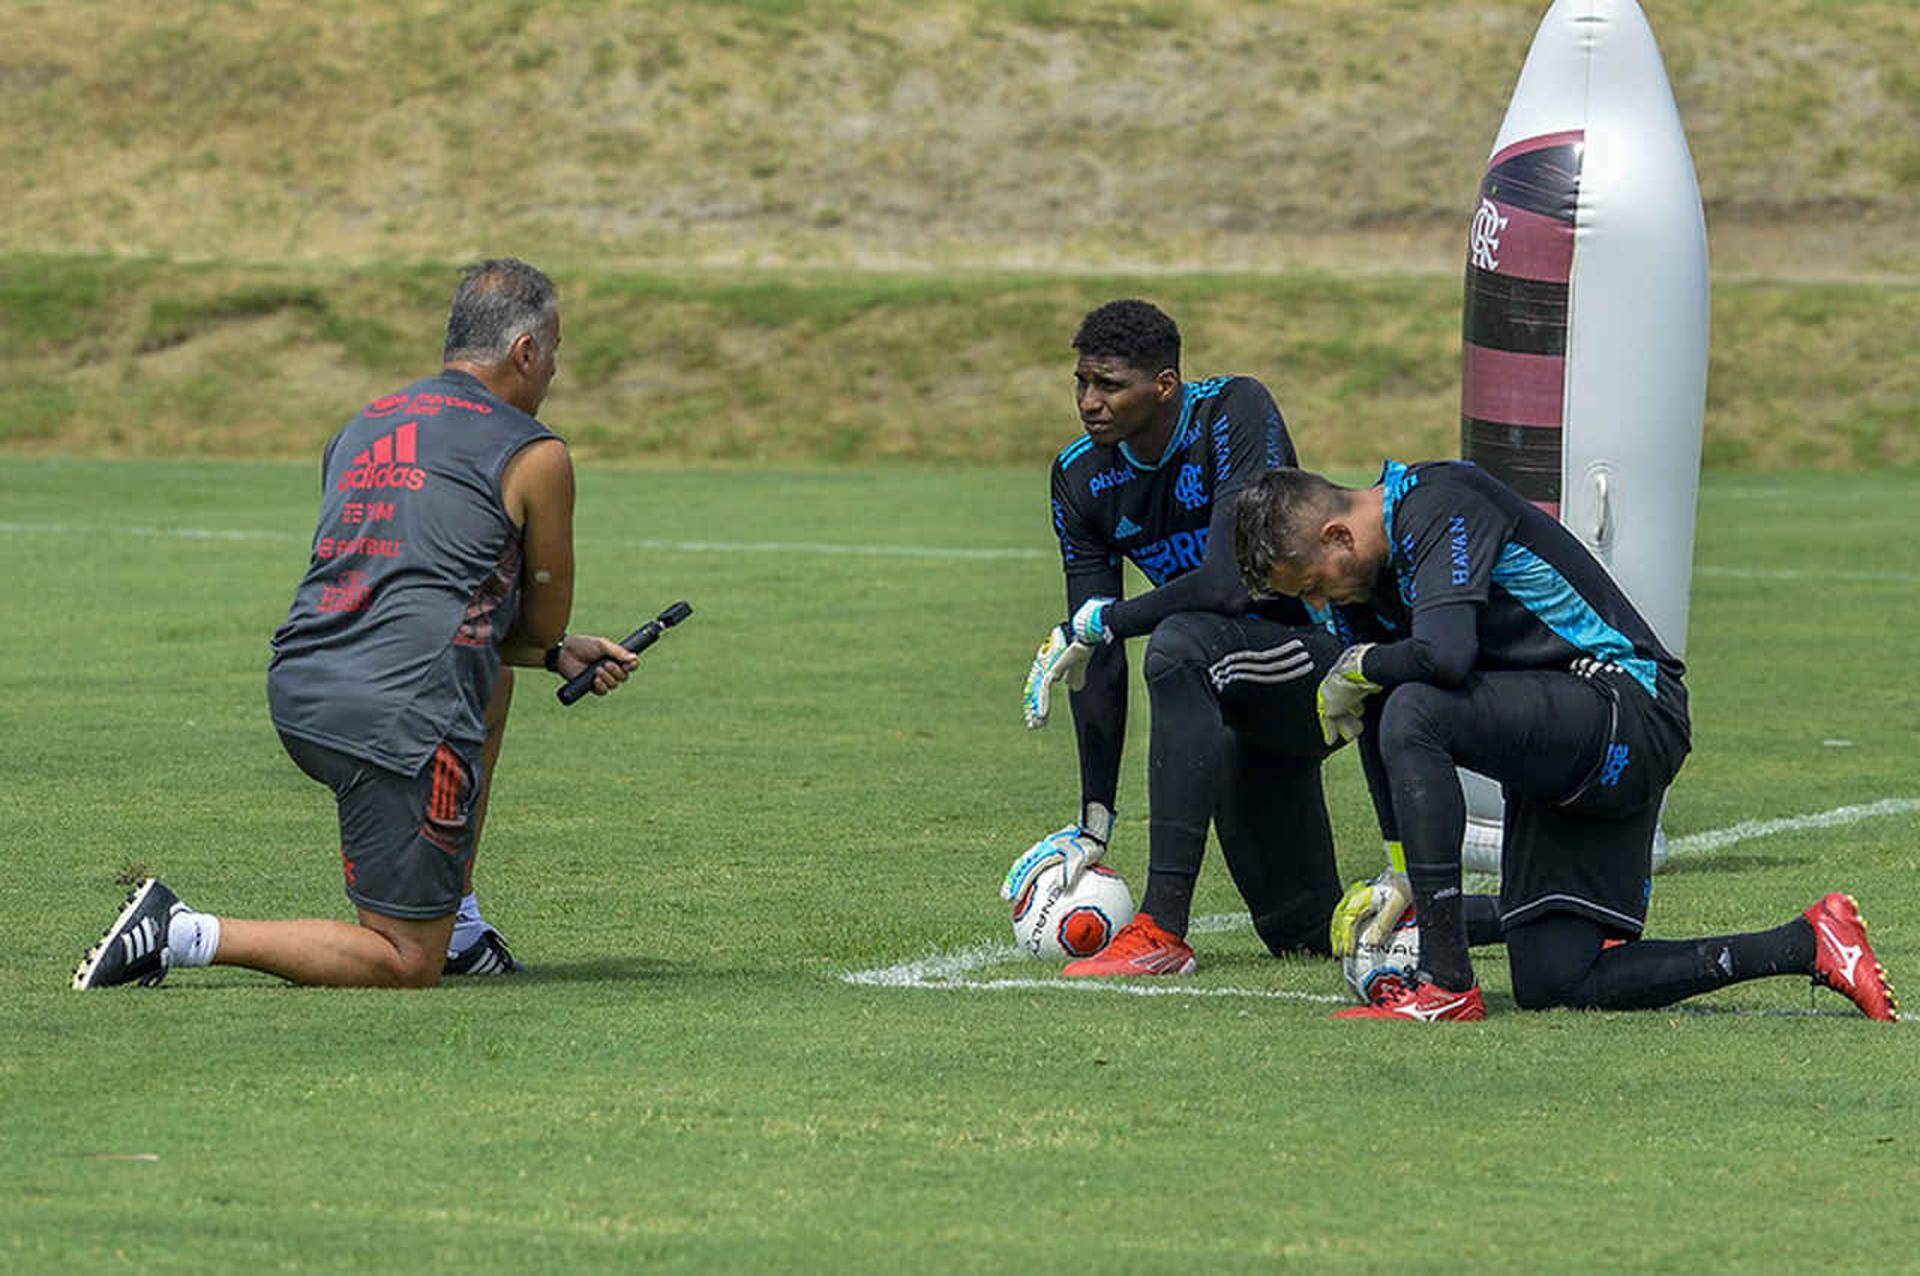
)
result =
(1785, 950)
(1443, 930)
(468, 925)
(192, 938)
(1169, 899)
(1650, 973)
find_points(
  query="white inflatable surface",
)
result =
(1584, 373)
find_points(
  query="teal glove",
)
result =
(1075, 847)
(1089, 624)
(1343, 695)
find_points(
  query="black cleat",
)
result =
(134, 948)
(486, 955)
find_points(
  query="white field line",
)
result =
(828, 548)
(1747, 830)
(951, 970)
(836, 549)
(1791, 573)
(154, 533)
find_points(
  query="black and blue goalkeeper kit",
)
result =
(1507, 649)
(1234, 739)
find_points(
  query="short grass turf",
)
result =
(822, 773)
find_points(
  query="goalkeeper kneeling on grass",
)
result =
(1235, 742)
(1502, 646)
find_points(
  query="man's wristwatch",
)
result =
(552, 659)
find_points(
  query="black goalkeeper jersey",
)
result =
(1109, 505)
(1458, 535)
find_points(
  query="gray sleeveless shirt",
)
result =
(393, 641)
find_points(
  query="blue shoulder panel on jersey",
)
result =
(1538, 586)
(1396, 480)
(1072, 451)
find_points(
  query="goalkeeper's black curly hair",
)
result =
(1136, 331)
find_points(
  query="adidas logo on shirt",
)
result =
(388, 463)
(1124, 528)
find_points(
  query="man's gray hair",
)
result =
(498, 300)
(1277, 520)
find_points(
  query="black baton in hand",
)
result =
(636, 642)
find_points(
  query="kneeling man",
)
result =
(1499, 644)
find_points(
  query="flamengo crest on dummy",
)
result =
(1584, 340)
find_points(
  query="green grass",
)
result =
(822, 772)
(153, 358)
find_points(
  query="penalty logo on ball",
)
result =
(1050, 922)
(1379, 971)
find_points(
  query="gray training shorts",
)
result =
(405, 841)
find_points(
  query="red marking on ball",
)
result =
(1085, 931)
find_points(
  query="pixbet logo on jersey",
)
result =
(387, 464)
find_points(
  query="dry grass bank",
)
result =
(1113, 135)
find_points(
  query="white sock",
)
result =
(468, 925)
(192, 938)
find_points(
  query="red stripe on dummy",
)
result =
(1518, 389)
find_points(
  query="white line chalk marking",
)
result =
(951, 970)
(1747, 830)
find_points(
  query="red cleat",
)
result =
(1426, 1003)
(1844, 960)
(1141, 947)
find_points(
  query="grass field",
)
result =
(822, 774)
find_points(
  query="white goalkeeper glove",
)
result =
(1343, 696)
(1063, 657)
(1369, 911)
(1060, 659)
(1075, 847)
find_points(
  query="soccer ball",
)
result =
(1049, 922)
(1376, 972)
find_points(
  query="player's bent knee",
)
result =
(416, 952)
(1412, 719)
(1177, 644)
(423, 975)
(1533, 993)
(1300, 928)
(1551, 961)
(415, 968)
(1546, 985)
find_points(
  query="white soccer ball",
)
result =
(1049, 922)
(1376, 972)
